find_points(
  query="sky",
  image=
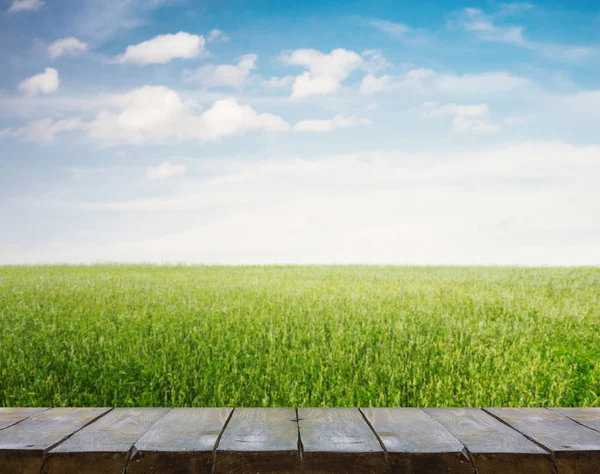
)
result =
(273, 132)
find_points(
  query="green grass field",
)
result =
(299, 336)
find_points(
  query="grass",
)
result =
(299, 336)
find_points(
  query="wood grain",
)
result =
(22, 446)
(11, 416)
(339, 440)
(576, 448)
(103, 446)
(416, 443)
(261, 440)
(181, 442)
(494, 447)
(589, 417)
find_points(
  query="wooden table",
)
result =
(304, 440)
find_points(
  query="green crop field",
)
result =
(299, 336)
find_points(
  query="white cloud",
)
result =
(163, 48)
(229, 75)
(339, 121)
(164, 171)
(156, 114)
(387, 208)
(43, 130)
(25, 5)
(372, 85)
(485, 28)
(217, 36)
(66, 46)
(465, 118)
(278, 82)
(325, 72)
(153, 114)
(46, 82)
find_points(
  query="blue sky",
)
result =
(300, 132)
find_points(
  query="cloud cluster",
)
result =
(46, 82)
(390, 208)
(153, 114)
(325, 72)
(164, 48)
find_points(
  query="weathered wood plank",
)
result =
(22, 446)
(261, 440)
(495, 448)
(339, 440)
(576, 448)
(11, 416)
(589, 417)
(181, 442)
(103, 446)
(416, 443)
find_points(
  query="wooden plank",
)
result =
(339, 440)
(494, 447)
(259, 440)
(416, 443)
(12, 416)
(576, 448)
(103, 446)
(181, 442)
(589, 417)
(22, 446)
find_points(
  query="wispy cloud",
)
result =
(101, 20)
(228, 75)
(428, 81)
(465, 118)
(18, 6)
(487, 28)
(400, 31)
(164, 171)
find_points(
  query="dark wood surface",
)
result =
(179, 443)
(103, 447)
(576, 448)
(23, 445)
(416, 443)
(259, 440)
(494, 447)
(307, 440)
(589, 417)
(12, 416)
(339, 440)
